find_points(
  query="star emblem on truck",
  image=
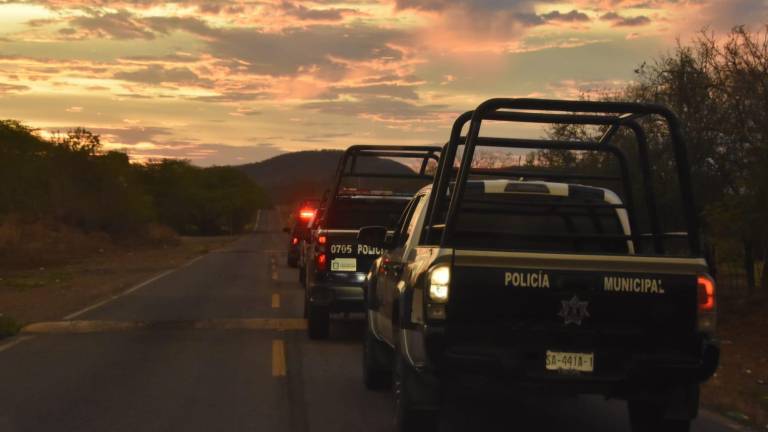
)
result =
(573, 311)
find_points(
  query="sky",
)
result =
(232, 82)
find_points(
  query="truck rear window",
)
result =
(354, 213)
(538, 223)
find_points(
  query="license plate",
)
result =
(566, 361)
(344, 264)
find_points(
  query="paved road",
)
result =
(213, 347)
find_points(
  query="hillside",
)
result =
(294, 176)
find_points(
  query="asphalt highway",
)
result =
(218, 345)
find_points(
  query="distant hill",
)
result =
(290, 177)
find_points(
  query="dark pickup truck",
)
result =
(365, 192)
(522, 279)
(301, 217)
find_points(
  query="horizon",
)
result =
(229, 83)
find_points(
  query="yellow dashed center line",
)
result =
(278, 358)
(273, 267)
(275, 301)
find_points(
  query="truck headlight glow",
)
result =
(439, 280)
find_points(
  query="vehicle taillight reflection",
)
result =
(321, 261)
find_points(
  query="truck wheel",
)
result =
(318, 321)
(410, 415)
(377, 362)
(647, 416)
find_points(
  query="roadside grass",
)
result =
(31, 293)
(8, 326)
(30, 279)
(739, 389)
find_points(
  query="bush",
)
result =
(8, 326)
(67, 181)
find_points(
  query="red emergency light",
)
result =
(306, 214)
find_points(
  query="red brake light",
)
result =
(322, 239)
(295, 241)
(706, 289)
(321, 261)
(306, 214)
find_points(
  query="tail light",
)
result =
(321, 261)
(295, 241)
(322, 239)
(707, 316)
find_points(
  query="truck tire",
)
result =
(377, 362)
(648, 416)
(318, 321)
(410, 414)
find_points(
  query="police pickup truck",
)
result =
(507, 281)
(366, 191)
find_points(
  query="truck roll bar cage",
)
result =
(351, 155)
(347, 167)
(615, 115)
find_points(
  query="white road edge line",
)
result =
(130, 290)
(15, 342)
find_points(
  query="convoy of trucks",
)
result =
(490, 277)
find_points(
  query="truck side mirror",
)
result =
(375, 236)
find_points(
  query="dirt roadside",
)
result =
(739, 389)
(49, 293)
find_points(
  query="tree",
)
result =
(719, 89)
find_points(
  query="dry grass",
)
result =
(37, 244)
(48, 271)
(740, 388)
(26, 245)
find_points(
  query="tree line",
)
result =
(69, 178)
(718, 86)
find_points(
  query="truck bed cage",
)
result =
(614, 115)
(348, 165)
(348, 168)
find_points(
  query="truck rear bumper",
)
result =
(616, 373)
(338, 298)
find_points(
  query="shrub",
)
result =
(8, 326)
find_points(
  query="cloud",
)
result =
(117, 25)
(383, 90)
(497, 17)
(134, 134)
(208, 154)
(317, 47)
(156, 74)
(302, 12)
(394, 112)
(722, 15)
(572, 16)
(622, 21)
(12, 88)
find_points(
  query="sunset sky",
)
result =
(240, 81)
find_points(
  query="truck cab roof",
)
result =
(538, 188)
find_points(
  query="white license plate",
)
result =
(567, 361)
(344, 264)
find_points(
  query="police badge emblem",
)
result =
(573, 311)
